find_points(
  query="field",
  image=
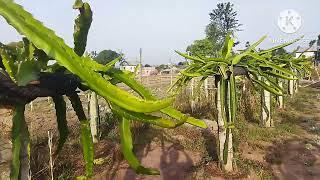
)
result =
(288, 151)
(226, 106)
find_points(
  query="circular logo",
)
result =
(289, 21)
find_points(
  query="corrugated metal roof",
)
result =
(313, 48)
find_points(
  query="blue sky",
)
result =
(161, 26)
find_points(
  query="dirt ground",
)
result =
(40, 119)
(290, 150)
(294, 153)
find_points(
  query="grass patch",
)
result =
(269, 134)
(260, 170)
(304, 101)
(246, 131)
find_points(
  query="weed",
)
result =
(260, 170)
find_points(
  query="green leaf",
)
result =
(256, 56)
(272, 81)
(112, 63)
(233, 99)
(60, 106)
(277, 68)
(223, 95)
(126, 148)
(99, 67)
(190, 57)
(86, 138)
(238, 57)
(226, 147)
(158, 121)
(42, 58)
(191, 74)
(28, 48)
(17, 125)
(267, 87)
(228, 45)
(8, 63)
(210, 65)
(299, 68)
(223, 71)
(87, 147)
(143, 92)
(77, 4)
(199, 56)
(180, 116)
(77, 106)
(55, 47)
(137, 68)
(27, 71)
(218, 60)
(81, 27)
(279, 75)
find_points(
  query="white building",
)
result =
(307, 51)
(146, 71)
(130, 68)
(149, 71)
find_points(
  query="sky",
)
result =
(161, 26)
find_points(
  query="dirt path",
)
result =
(171, 159)
(299, 157)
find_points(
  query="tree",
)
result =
(147, 65)
(203, 47)
(162, 67)
(279, 52)
(312, 42)
(223, 20)
(214, 35)
(105, 56)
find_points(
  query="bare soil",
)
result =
(289, 151)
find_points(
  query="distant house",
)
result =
(146, 71)
(307, 51)
(172, 70)
(149, 71)
(130, 68)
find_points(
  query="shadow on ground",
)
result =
(165, 152)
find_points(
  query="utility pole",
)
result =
(140, 59)
(170, 65)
